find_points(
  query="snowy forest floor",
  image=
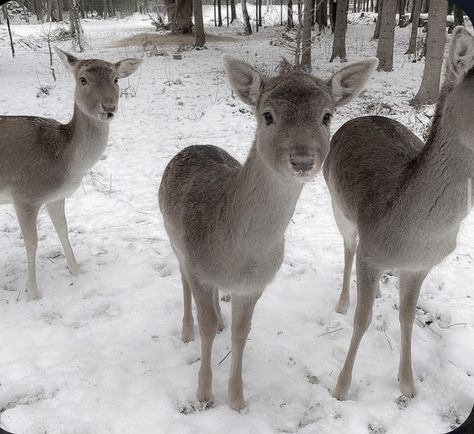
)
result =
(101, 352)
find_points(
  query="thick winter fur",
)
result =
(43, 161)
(226, 221)
(404, 199)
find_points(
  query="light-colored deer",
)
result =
(226, 221)
(405, 199)
(43, 161)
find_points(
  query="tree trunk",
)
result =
(219, 13)
(199, 37)
(339, 45)
(245, 13)
(306, 47)
(76, 28)
(379, 20)
(387, 35)
(7, 19)
(290, 24)
(333, 14)
(180, 13)
(414, 27)
(458, 16)
(436, 40)
(233, 11)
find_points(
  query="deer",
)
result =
(42, 161)
(404, 200)
(226, 221)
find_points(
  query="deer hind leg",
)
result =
(58, 217)
(242, 312)
(187, 331)
(349, 232)
(410, 285)
(27, 217)
(367, 287)
(220, 321)
(204, 297)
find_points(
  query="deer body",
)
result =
(226, 221)
(405, 200)
(43, 161)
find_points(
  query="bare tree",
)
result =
(233, 11)
(245, 13)
(7, 19)
(290, 23)
(76, 27)
(387, 35)
(180, 14)
(307, 23)
(379, 20)
(339, 45)
(436, 40)
(199, 37)
(414, 26)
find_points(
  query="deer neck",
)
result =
(88, 138)
(263, 203)
(438, 190)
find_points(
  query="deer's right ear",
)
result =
(244, 80)
(461, 53)
(69, 61)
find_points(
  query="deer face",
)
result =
(97, 89)
(294, 113)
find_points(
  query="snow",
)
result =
(101, 352)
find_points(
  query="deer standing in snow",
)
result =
(405, 199)
(43, 161)
(226, 221)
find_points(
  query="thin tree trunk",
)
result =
(306, 47)
(387, 36)
(379, 19)
(414, 27)
(339, 45)
(333, 14)
(245, 13)
(7, 18)
(436, 40)
(199, 37)
(233, 11)
(290, 23)
(219, 13)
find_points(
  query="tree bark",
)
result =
(7, 18)
(290, 23)
(233, 11)
(339, 45)
(219, 13)
(436, 40)
(245, 13)
(180, 13)
(379, 20)
(306, 47)
(199, 37)
(414, 27)
(387, 36)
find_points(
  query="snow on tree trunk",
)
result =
(307, 23)
(339, 45)
(200, 37)
(245, 13)
(387, 35)
(436, 40)
(414, 27)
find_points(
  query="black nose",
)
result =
(109, 107)
(301, 162)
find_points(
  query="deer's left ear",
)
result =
(127, 67)
(349, 81)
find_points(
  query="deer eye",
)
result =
(83, 81)
(116, 80)
(268, 118)
(327, 119)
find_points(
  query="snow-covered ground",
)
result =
(101, 353)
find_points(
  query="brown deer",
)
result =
(43, 161)
(226, 221)
(404, 199)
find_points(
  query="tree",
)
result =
(387, 35)
(200, 37)
(179, 14)
(436, 40)
(245, 13)
(233, 11)
(339, 45)
(414, 27)
(76, 27)
(379, 20)
(290, 24)
(307, 23)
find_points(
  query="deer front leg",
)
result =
(58, 217)
(242, 312)
(27, 217)
(367, 287)
(410, 285)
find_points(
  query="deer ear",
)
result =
(349, 81)
(243, 79)
(127, 67)
(69, 61)
(461, 53)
